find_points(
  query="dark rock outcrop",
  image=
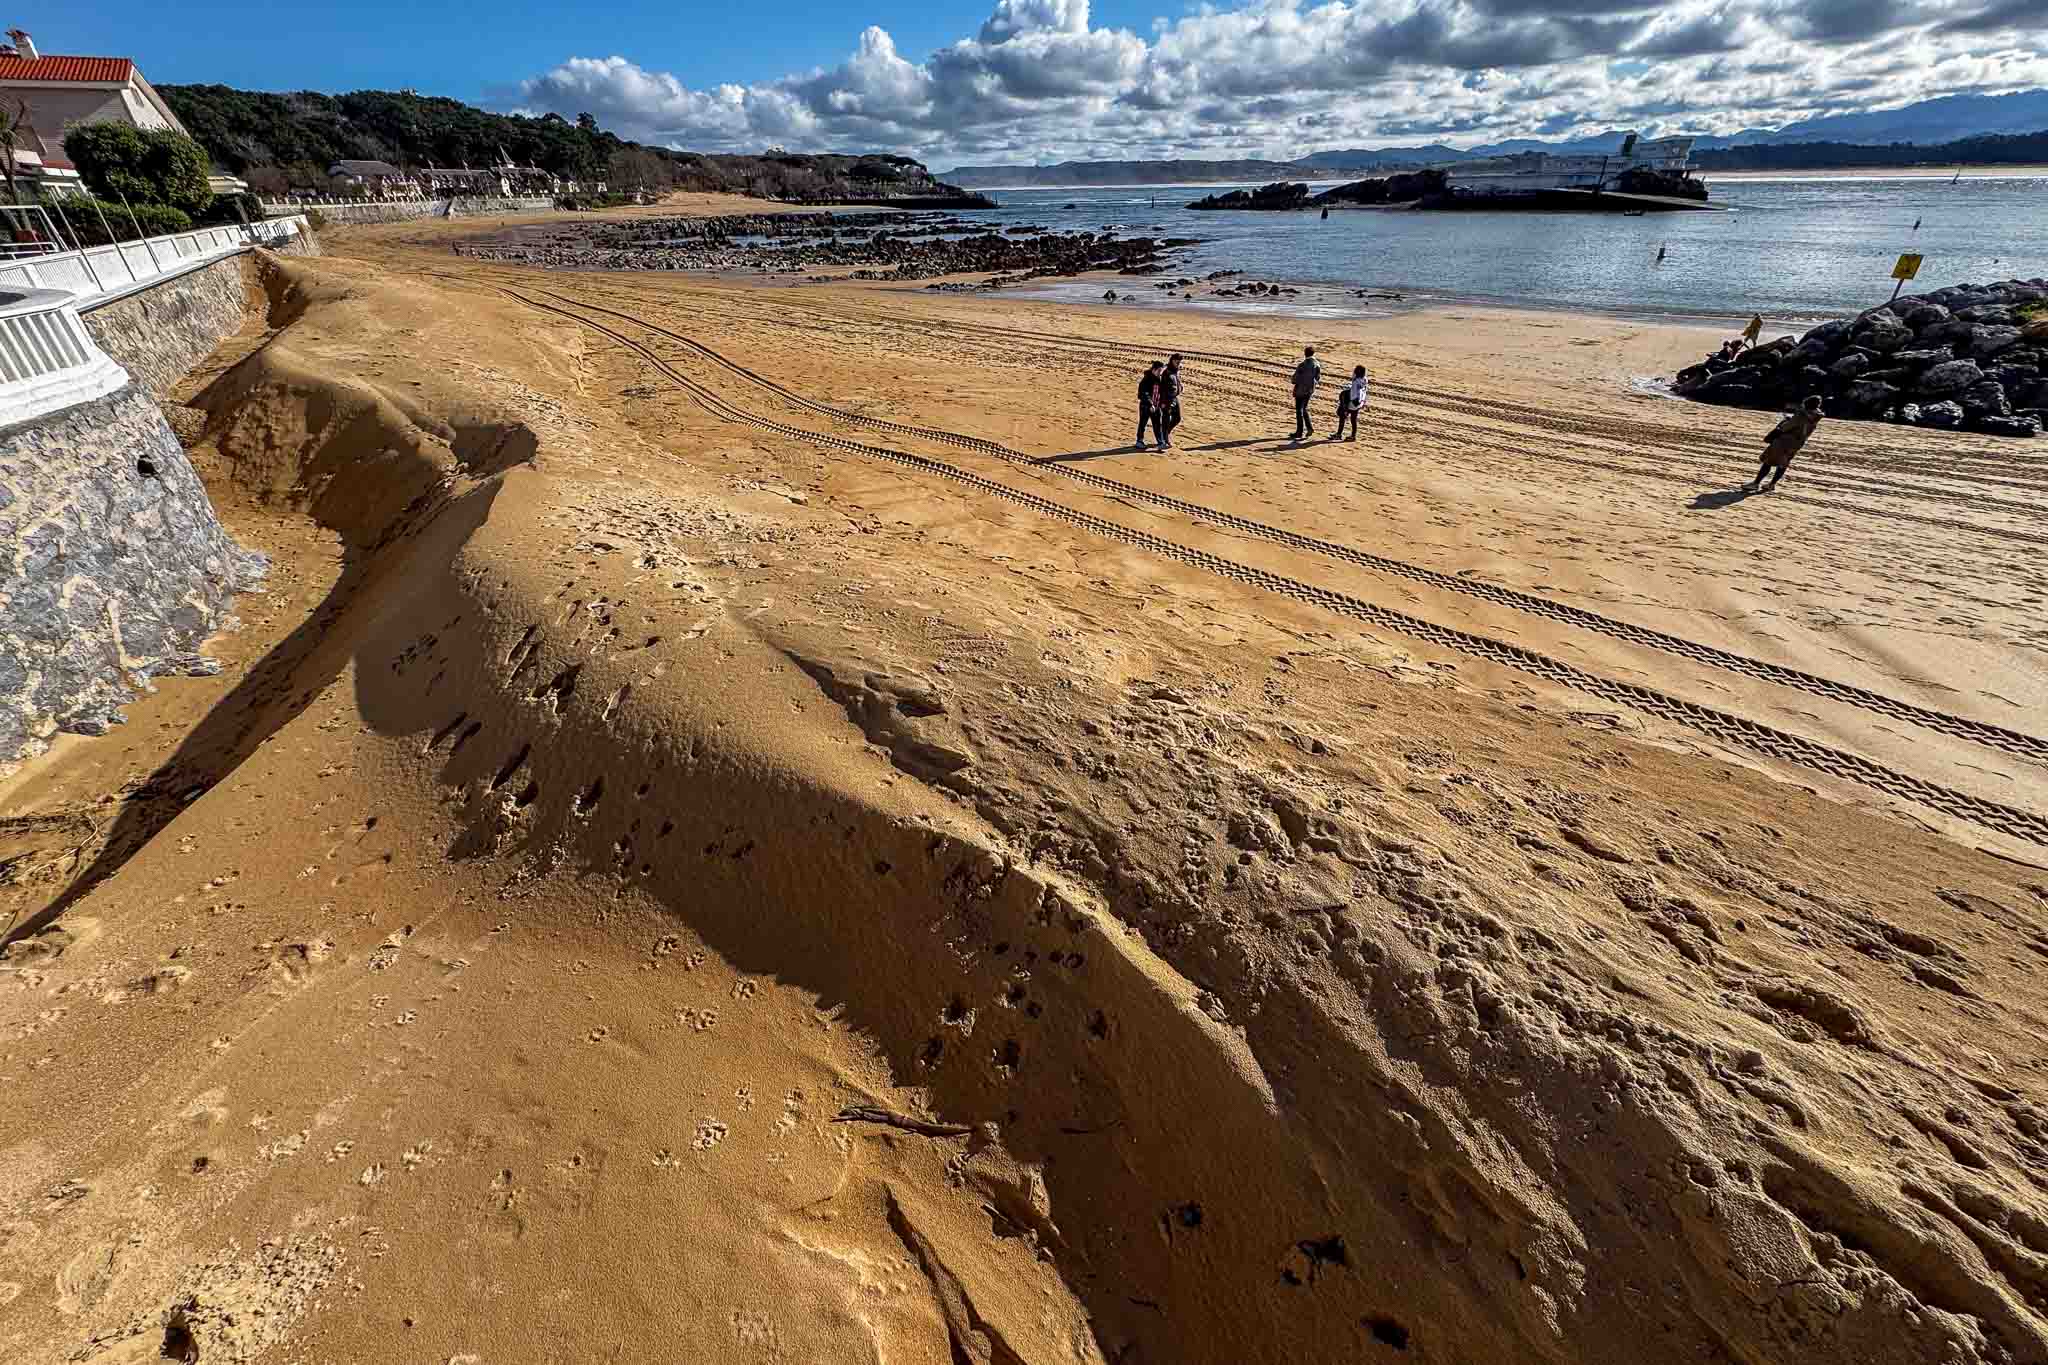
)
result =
(1968, 356)
(1406, 188)
(1949, 377)
(1281, 194)
(1868, 397)
(2027, 425)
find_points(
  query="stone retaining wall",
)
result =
(406, 209)
(119, 570)
(302, 243)
(159, 333)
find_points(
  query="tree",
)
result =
(13, 122)
(147, 166)
(636, 168)
(305, 175)
(270, 180)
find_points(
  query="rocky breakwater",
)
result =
(875, 246)
(1037, 257)
(1971, 357)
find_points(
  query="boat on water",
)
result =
(1525, 172)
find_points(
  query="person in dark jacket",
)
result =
(1149, 408)
(1307, 375)
(1786, 440)
(1169, 401)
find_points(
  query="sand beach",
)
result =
(746, 824)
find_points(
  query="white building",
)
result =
(59, 93)
(378, 179)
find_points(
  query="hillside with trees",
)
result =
(1997, 149)
(280, 142)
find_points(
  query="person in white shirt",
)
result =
(1350, 402)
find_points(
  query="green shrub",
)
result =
(147, 166)
(84, 214)
(222, 210)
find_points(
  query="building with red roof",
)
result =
(55, 94)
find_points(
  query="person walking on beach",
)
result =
(1350, 402)
(1307, 375)
(1149, 409)
(1170, 384)
(1785, 441)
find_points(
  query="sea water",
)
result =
(1788, 248)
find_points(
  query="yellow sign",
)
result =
(1907, 268)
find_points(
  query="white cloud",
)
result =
(1282, 77)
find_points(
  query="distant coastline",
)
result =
(1885, 173)
(1832, 173)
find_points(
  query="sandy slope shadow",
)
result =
(1270, 442)
(1716, 500)
(1075, 457)
(362, 469)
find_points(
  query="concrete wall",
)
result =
(404, 210)
(118, 569)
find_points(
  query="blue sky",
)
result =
(466, 49)
(953, 81)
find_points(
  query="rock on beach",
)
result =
(1970, 357)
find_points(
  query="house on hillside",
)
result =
(445, 180)
(55, 94)
(377, 179)
(503, 178)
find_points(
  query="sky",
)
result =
(980, 81)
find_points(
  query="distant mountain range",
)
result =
(1946, 119)
(1937, 120)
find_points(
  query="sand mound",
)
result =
(637, 917)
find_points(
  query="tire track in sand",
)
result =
(1735, 730)
(1990, 735)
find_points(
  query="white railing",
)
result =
(101, 273)
(345, 210)
(28, 231)
(291, 203)
(48, 361)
